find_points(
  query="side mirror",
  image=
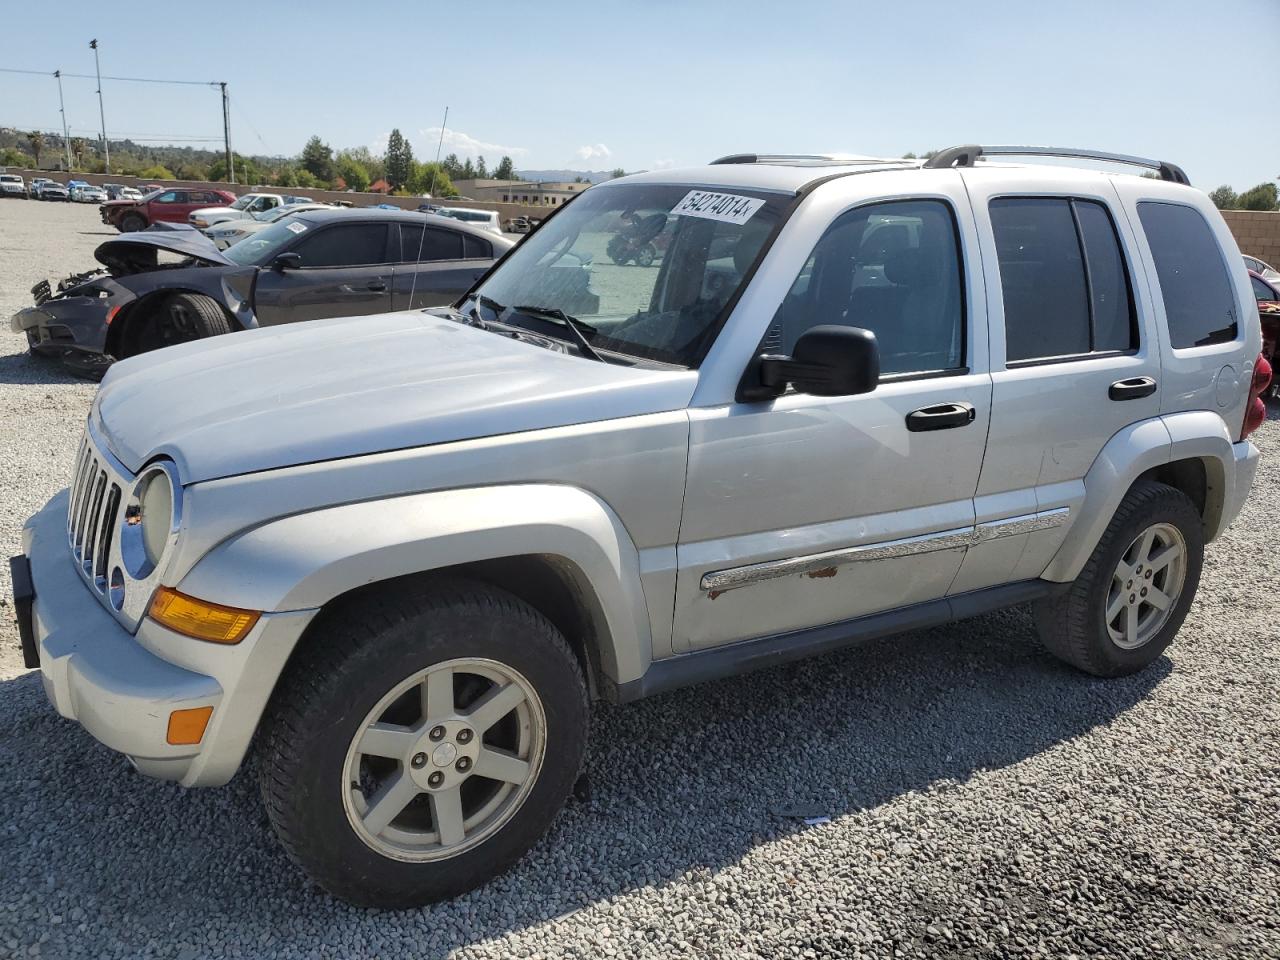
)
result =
(285, 261)
(828, 361)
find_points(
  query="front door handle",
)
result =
(378, 286)
(941, 416)
(1135, 388)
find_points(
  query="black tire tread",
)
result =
(1063, 621)
(209, 314)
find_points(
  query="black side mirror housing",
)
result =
(285, 261)
(828, 361)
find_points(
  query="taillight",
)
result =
(1255, 410)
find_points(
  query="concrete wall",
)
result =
(1257, 232)
(505, 210)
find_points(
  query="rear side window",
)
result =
(347, 245)
(436, 245)
(1066, 290)
(1261, 291)
(1194, 282)
(475, 248)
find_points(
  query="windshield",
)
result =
(258, 248)
(274, 214)
(649, 266)
(244, 201)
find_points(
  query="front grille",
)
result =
(92, 515)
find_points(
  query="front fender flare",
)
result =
(306, 560)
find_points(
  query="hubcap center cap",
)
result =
(444, 754)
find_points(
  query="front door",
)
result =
(804, 510)
(344, 273)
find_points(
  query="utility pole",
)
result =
(106, 146)
(62, 109)
(226, 131)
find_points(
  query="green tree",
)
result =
(506, 170)
(247, 169)
(468, 171)
(433, 179)
(482, 169)
(617, 172)
(399, 160)
(36, 139)
(373, 166)
(317, 159)
(352, 172)
(192, 171)
(307, 180)
(1224, 198)
(13, 157)
(1261, 197)
(156, 172)
(78, 147)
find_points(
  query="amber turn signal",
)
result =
(200, 618)
(186, 727)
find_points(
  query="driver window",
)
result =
(891, 268)
(170, 196)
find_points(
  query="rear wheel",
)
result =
(421, 744)
(132, 223)
(646, 255)
(1128, 602)
(181, 318)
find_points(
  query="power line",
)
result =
(89, 76)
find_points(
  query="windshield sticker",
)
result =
(296, 227)
(717, 206)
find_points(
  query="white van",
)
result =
(484, 219)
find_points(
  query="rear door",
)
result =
(436, 265)
(1074, 355)
(345, 272)
(172, 206)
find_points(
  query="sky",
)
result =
(647, 84)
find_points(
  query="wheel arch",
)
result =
(123, 330)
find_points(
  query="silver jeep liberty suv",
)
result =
(699, 422)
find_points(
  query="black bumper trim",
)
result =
(24, 595)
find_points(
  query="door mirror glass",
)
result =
(827, 361)
(285, 261)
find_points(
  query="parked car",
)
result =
(113, 190)
(12, 185)
(51, 190)
(309, 265)
(37, 184)
(128, 193)
(88, 193)
(400, 555)
(1267, 295)
(1262, 269)
(242, 208)
(487, 219)
(519, 225)
(73, 184)
(170, 205)
(227, 232)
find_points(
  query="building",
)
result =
(519, 191)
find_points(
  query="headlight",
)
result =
(200, 222)
(151, 519)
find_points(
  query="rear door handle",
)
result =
(941, 416)
(1134, 388)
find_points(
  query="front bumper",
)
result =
(122, 687)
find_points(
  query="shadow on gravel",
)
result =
(29, 370)
(689, 782)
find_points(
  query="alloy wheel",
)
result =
(1146, 585)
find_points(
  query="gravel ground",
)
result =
(984, 801)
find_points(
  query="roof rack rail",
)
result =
(965, 156)
(766, 157)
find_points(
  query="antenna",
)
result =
(432, 190)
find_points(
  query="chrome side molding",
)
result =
(720, 581)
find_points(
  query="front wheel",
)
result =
(180, 318)
(132, 223)
(1124, 609)
(421, 744)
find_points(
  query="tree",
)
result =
(399, 160)
(36, 139)
(354, 174)
(431, 178)
(468, 171)
(1261, 197)
(617, 172)
(78, 147)
(306, 179)
(452, 166)
(13, 157)
(482, 171)
(1224, 198)
(373, 166)
(506, 170)
(317, 159)
(156, 172)
(247, 169)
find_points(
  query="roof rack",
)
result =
(811, 157)
(966, 155)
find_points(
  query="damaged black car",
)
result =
(171, 284)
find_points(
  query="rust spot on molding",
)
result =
(823, 573)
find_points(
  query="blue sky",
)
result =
(647, 84)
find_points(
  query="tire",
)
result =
(619, 250)
(132, 223)
(352, 665)
(181, 318)
(1074, 626)
(646, 255)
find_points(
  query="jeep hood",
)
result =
(138, 252)
(328, 389)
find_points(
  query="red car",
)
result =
(168, 205)
(1268, 297)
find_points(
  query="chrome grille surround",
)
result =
(101, 487)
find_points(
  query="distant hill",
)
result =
(564, 176)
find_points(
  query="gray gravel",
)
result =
(984, 801)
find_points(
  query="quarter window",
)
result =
(1198, 300)
(1063, 278)
(1261, 291)
(893, 269)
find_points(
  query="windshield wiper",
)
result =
(579, 328)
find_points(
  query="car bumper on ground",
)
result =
(123, 688)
